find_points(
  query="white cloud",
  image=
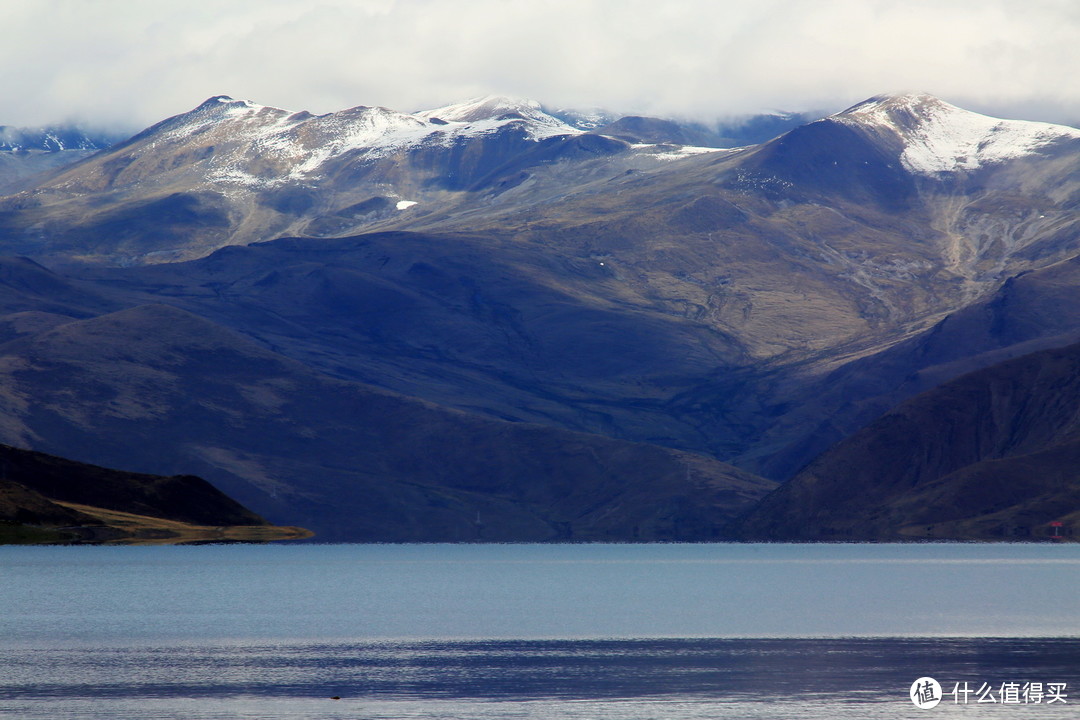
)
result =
(116, 61)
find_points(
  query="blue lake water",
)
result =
(538, 631)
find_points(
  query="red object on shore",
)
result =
(1057, 523)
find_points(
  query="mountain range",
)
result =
(488, 321)
(28, 153)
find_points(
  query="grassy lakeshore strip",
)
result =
(122, 528)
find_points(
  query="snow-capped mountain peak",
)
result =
(241, 143)
(502, 109)
(940, 138)
(223, 105)
(220, 115)
(484, 108)
(54, 138)
(891, 106)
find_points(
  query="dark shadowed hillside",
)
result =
(994, 454)
(159, 388)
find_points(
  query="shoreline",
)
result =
(123, 528)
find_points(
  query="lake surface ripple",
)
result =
(537, 631)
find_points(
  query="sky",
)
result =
(129, 63)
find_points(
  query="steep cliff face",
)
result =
(990, 455)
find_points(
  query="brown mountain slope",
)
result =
(991, 455)
(1032, 311)
(483, 324)
(156, 388)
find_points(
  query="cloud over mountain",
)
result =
(114, 61)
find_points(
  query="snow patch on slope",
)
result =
(675, 152)
(941, 138)
(377, 132)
